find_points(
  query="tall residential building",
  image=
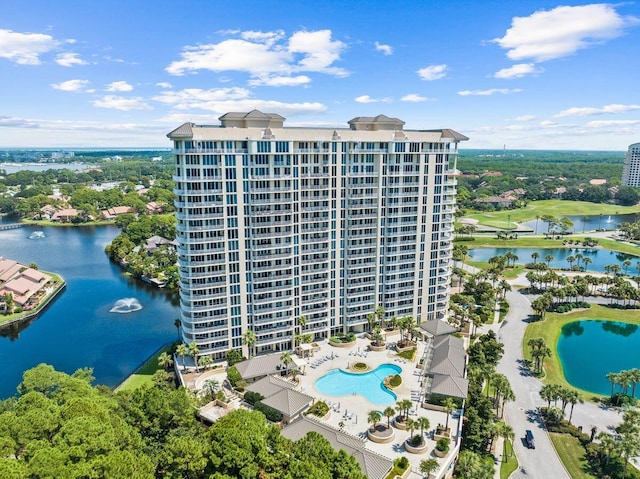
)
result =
(631, 171)
(277, 223)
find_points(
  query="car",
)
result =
(528, 435)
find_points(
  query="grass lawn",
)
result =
(550, 330)
(507, 468)
(557, 208)
(144, 373)
(572, 455)
(58, 223)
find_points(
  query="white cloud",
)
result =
(386, 49)
(280, 81)
(69, 59)
(517, 71)
(368, 99)
(164, 84)
(607, 123)
(492, 91)
(25, 48)
(433, 72)
(587, 111)
(120, 103)
(525, 117)
(265, 55)
(549, 34)
(222, 100)
(414, 97)
(119, 86)
(71, 85)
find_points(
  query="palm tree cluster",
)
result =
(565, 395)
(539, 351)
(624, 379)
(610, 455)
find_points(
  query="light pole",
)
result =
(509, 221)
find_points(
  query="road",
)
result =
(541, 462)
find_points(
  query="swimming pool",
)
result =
(368, 385)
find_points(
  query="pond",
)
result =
(582, 224)
(599, 257)
(104, 319)
(590, 349)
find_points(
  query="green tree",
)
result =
(165, 361)
(374, 418)
(428, 466)
(249, 339)
(182, 351)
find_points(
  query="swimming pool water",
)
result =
(369, 385)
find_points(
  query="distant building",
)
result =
(631, 171)
(597, 182)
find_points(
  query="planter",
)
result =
(421, 449)
(400, 424)
(381, 435)
(408, 346)
(382, 347)
(440, 453)
(342, 345)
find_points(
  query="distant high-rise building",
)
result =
(277, 223)
(631, 171)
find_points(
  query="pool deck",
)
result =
(353, 410)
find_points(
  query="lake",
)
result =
(15, 167)
(588, 350)
(599, 257)
(78, 329)
(582, 224)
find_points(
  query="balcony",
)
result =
(190, 252)
(188, 216)
(198, 192)
(268, 289)
(198, 204)
(185, 262)
(270, 256)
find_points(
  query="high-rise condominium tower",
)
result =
(631, 170)
(277, 223)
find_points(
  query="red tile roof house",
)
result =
(153, 208)
(24, 285)
(65, 215)
(111, 213)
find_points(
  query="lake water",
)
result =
(582, 224)
(15, 167)
(599, 257)
(588, 350)
(78, 329)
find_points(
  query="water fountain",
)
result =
(609, 220)
(126, 305)
(37, 235)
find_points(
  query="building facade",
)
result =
(277, 223)
(631, 170)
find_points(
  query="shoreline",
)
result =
(42, 306)
(146, 363)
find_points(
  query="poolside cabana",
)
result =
(451, 386)
(435, 327)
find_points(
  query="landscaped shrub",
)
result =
(443, 444)
(417, 440)
(270, 413)
(399, 466)
(395, 381)
(343, 338)
(360, 366)
(319, 409)
(253, 397)
(233, 376)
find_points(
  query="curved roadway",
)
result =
(522, 414)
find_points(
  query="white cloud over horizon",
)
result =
(121, 103)
(433, 72)
(550, 34)
(587, 111)
(368, 99)
(266, 54)
(385, 49)
(489, 92)
(517, 71)
(71, 85)
(25, 48)
(414, 97)
(119, 86)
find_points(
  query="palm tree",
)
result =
(613, 379)
(182, 351)
(508, 435)
(449, 406)
(423, 423)
(8, 303)
(380, 312)
(547, 392)
(570, 260)
(286, 359)
(205, 361)
(427, 466)
(573, 398)
(389, 411)
(194, 350)
(249, 339)
(548, 258)
(411, 426)
(211, 385)
(535, 255)
(371, 321)
(403, 406)
(626, 264)
(374, 417)
(165, 361)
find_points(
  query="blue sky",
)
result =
(525, 74)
